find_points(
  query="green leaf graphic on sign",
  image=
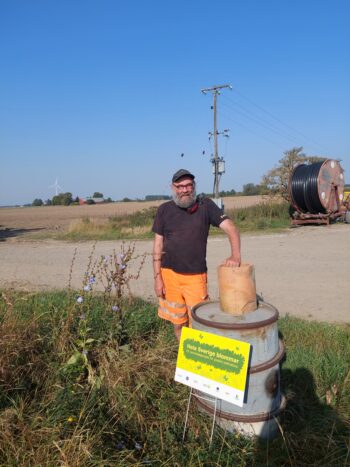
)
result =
(222, 359)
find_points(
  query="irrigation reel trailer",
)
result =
(317, 193)
(346, 201)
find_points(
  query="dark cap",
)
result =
(182, 173)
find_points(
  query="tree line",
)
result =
(274, 182)
(66, 199)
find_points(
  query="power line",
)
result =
(314, 142)
(264, 124)
(253, 132)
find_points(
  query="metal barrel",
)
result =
(263, 400)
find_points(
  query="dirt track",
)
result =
(304, 272)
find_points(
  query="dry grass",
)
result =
(78, 225)
(21, 351)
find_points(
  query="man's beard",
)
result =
(184, 201)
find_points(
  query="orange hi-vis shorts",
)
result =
(182, 292)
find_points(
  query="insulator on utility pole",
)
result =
(217, 162)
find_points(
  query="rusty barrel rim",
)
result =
(269, 363)
(260, 417)
(237, 326)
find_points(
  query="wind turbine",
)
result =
(56, 187)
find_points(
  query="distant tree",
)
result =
(97, 194)
(76, 199)
(37, 202)
(156, 197)
(67, 198)
(90, 201)
(227, 193)
(277, 180)
(64, 199)
(126, 200)
(250, 189)
(48, 202)
(109, 200)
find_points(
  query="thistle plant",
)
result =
(111, 273)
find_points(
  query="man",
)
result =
(181, 228)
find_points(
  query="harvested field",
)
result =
(59, 218)
(55, 218)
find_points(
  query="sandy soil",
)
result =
(304, 272)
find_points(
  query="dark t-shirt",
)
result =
(185, 235)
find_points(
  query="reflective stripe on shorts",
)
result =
(172, 311)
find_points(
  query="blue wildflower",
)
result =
(80, 300)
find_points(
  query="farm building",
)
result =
(90, 200)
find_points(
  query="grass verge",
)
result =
(263, 217)
(269, 216)
(82, 384)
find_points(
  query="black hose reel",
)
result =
(318, 188)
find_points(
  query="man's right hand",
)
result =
(159, 286)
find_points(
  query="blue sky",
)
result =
(105, 95)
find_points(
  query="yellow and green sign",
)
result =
(213, 364)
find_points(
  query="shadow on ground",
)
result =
(7, 232)
(313, 432)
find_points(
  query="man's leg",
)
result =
(178, 330)
(173, 307)
(194, 289)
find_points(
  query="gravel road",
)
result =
(303, 272)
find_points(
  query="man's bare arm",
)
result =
(157, 257)
(235, 241)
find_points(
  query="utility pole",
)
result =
(218, 163)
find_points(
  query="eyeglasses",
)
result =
(188, 186)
